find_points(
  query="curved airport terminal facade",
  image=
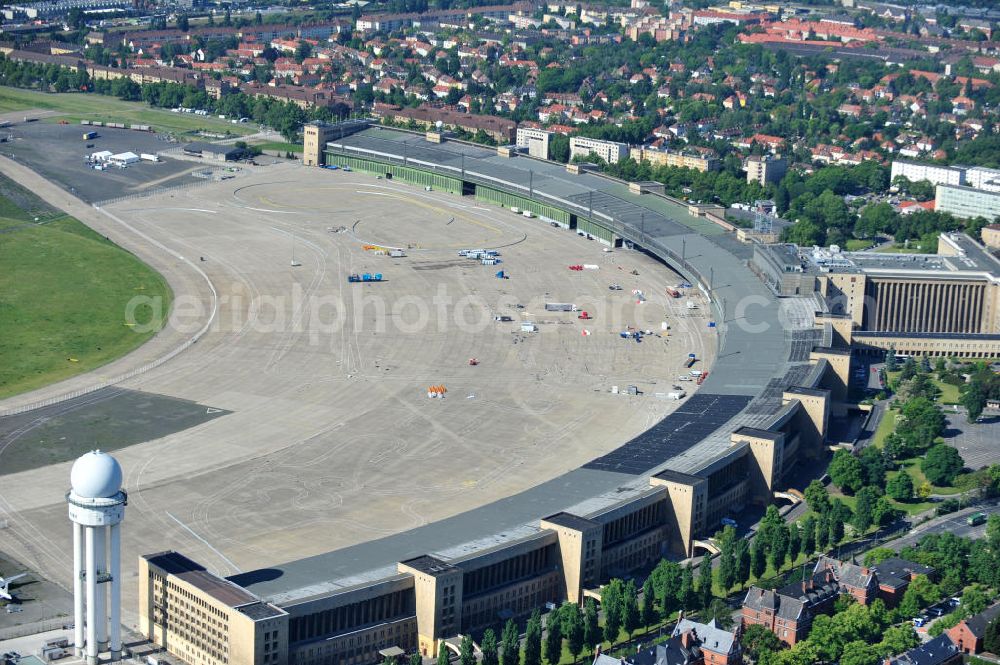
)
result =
(781, 371)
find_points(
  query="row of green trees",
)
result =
(854, 635)
(285, 117)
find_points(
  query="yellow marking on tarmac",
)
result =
(468, 483)
(437, 209)
(401, 197)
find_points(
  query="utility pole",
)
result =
(642, 226)
(531, 184)
(683, 249)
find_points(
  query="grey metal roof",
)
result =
(570, 521)
(429, 565)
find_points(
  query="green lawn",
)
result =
(74, 107)
(63, 296)
(885, 427)
(278, 145)
(916, 247)
(856, 245)
(949, 392)
(912, 467)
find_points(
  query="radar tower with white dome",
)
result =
(96, 508)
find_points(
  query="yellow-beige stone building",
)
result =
(943, 304)
(686, 160)
(349, 607)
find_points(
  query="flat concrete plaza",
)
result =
(319, 431)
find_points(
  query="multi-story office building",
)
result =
(672, 158)
(944, 304)
(967, 202)
(205, 619)
(609, 151)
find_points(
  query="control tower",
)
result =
(96, 508)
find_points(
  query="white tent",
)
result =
(124, 158)
(102, 156)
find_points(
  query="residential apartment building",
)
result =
(684, 160)
(610, 151)
(983, 178)
(690, 643)
(788, 612)
(535, 140)
(933, 173)
(967, 634)
(765, 169)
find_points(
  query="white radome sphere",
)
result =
(96, 475)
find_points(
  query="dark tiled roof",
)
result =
(708, 636)
(895, 572)
(678, 477)
(758, 433)
(783, 606)
(937, 651)
(977, 624)
(671, 652)
(846, 573)
(172, 563)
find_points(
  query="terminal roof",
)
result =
(429, 565)
(570, 521)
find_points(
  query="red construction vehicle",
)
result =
(585, 316)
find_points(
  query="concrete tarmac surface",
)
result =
(327, 436)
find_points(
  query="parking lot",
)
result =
(976, 442)
(59, 152)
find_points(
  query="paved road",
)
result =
(953, 523)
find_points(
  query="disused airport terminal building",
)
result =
(765, 406)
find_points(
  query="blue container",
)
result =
(378, 277)
(367, 277)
